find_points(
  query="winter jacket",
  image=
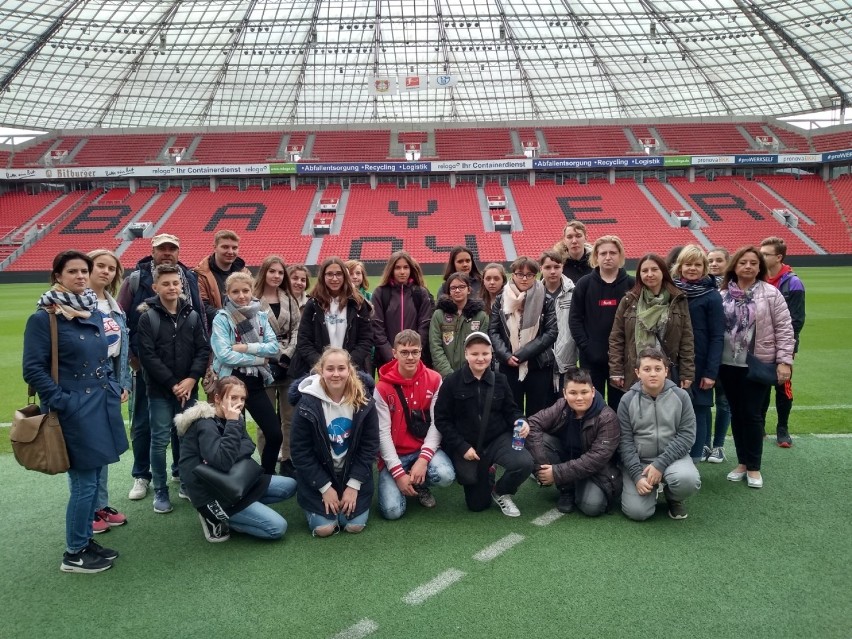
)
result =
(397, 307)
(87, 397)
(774, 341)
(571, 268)
(600, 436)
(460, 404)
(708, 331)
(565, 348)
(448, 330)
(177, 351)
(793, 290)
(655, 431)
(131, 295)
(211, 283)
(394, 437)
(121, 362)
(224, 336)
(313, 336)
(592, 314)
(220, 443)
(677, 343)
(538, 351)
(285, 325)
(309, 450)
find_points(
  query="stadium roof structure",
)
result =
(173, 63)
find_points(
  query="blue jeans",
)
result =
(392, 503)
(723, 417)
(317, 520)
(80, 512)
(258, 519)
(703, 425)
(102, 498)
(161, 412)
(140, 432)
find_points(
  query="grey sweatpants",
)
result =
(681, 478)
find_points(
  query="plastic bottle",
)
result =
(517, 440)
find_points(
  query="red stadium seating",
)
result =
(662, 194)
(586, 141)
(238, 148)
(31, 155)
(351, 146)
(473, 144)
(17, 208)
(833, 141)
(702, 138)
(119, 150)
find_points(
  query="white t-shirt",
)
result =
(335, 321)
(111, 329)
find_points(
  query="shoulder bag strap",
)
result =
(54, 356)
(404, 403)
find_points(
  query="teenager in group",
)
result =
(335, 443)
(756, 321)
(214, 270)
(523, 331)
(87, 399)
(244, 344)
(782, 277)
(216, 435)
(173, 352)
(560, 289)
(576, 255)
(691, 275)
(105, 280)
(593, 306)
(358, 275)
(575, 446)
(717, 259)
(400, 301)
(657, 432)
(410, 461)
(476, 414)
(272, 287)
(335, 315)
(494, 278)
(461, 261)
(300, 282)
(457, 316)
(655, 313)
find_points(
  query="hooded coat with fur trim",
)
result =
(448, 330)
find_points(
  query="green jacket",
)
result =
(448, 330)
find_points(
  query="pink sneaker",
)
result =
(111, 516)
(99, 525)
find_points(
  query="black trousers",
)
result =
(783, 403)
(748, 401)
(536, 389)
(473, 475)
(261, 409)
(600, 380)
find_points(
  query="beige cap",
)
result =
(164, 238)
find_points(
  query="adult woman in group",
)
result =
(216, 436)
(461, 261)
(523, 330)
(717, 258)
(358, 275)
(335, 315)
(87, 398)
(757, 321)
(494, 278)
(654, 313)
(335, 444)
(691, 275)
(300, 282)
(272, 287)
(457, 316)
(243, 345)
(105, 280)
(400, 301)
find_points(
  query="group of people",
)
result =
(566, 370)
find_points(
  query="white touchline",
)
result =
(547, 518)
(363, 628)
(433, 587)
(498, 547)
(832, 435)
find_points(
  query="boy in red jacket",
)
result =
(410, 461)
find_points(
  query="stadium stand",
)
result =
(702, 138)
(586, 141)
(118, 150)
(832, 141)
(662, 194)
(473, 144)
(30, 155)
(351, 146)
(18, 207)
(243, 148)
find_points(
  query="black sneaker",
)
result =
(565, 503)
(677, 510)
(783, 437)
(107, 553)
(214, 522)
(425, 497)
(84, 561)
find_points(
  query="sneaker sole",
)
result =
(116, 525)
(207, 536)
(785, 445)
(715, 460)
(136, 497)
(677, 517)
(163, 512)
(100, 532)
(82, 570)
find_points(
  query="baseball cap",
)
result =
(164, 238)
(477, 336)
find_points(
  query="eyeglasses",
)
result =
(769, 254)
(458, 288)
(334, 275)
(524, 276)
(415, 352)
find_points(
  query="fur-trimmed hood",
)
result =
(473, 306)
(202, 410)
(155, 301)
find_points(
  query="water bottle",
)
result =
(517, 440)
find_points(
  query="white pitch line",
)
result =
(797, 407)
(547, 518)
(362, 629)
(498, 547)
(832, 435)
(433, 587)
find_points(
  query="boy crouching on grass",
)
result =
(173, 352)
(657, 431)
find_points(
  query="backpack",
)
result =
(154, 316)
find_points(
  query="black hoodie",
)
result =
(592, 314)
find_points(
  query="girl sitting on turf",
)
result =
(334, 444)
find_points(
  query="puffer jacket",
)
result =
(565, 349)
(774, 341)
(448, 330)
(677, 343)
(655, 431)
(396, 307)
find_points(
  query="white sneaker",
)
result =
(717, 456)
(139, 490)
(506, 505)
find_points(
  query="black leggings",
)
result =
(261, 409)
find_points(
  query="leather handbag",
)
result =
(229, 487)
(37, 440)
(759, 371)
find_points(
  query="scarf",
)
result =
(523, 315)
(63, 302)
(652, 314)
(739, 315)
(247, 329)
(697, 288)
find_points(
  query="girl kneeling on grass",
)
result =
(216, 435)
(335, 441)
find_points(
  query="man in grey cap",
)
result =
(135, 289)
